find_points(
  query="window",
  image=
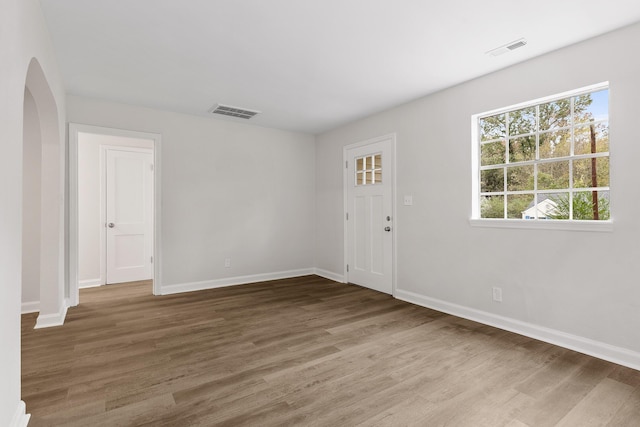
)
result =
(545, 160)
(369, 170)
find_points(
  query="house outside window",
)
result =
(545, 160)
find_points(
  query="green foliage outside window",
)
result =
(583, 206)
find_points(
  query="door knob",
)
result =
(111, 225)
(387, 229)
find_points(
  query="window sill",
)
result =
(546, 224)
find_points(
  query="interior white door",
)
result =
(369, 215)
(129, 215)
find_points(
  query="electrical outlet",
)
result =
(497, 294)
(227, 262)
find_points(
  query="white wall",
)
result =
(444, 262)
(90, 245)
(23, 36)
(229, 190)
(31, 195)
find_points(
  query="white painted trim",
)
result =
(73, 215)
(619, 355)
(232, 281)
(102, 215)
(394, 208)
(394, 211)
(329, 275)
(74, 129)
(49, 320)
(30, 307)
(574, 92)
(543, 224)
(20, 417)
(90, 283)
(157, 212)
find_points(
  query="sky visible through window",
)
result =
(600, 105)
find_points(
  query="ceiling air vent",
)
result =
(227, 110)
(507, 47)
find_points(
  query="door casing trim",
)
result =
(73, 297)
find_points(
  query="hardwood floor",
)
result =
(304, 351)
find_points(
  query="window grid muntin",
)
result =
(571, 157)
(362, 169)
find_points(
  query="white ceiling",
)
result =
(308, 65)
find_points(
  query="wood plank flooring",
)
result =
(308, 352)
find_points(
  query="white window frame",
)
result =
(373, 169)
(547, 224)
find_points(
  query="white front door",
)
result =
(369, 214)
(129, 215)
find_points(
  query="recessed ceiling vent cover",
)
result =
(227, 110)
(507, 47)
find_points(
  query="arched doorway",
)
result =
(43, 184)
(43, 202)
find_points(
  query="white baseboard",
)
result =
(50, 320)
(329, 275)
(619, 355)
(20, 417)
(30, 307)
(232, 281)
(90, 283)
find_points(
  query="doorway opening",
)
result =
(43, 289)
(114, 208)
(42, 188)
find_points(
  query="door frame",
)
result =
(74, 130)
(345, 180)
